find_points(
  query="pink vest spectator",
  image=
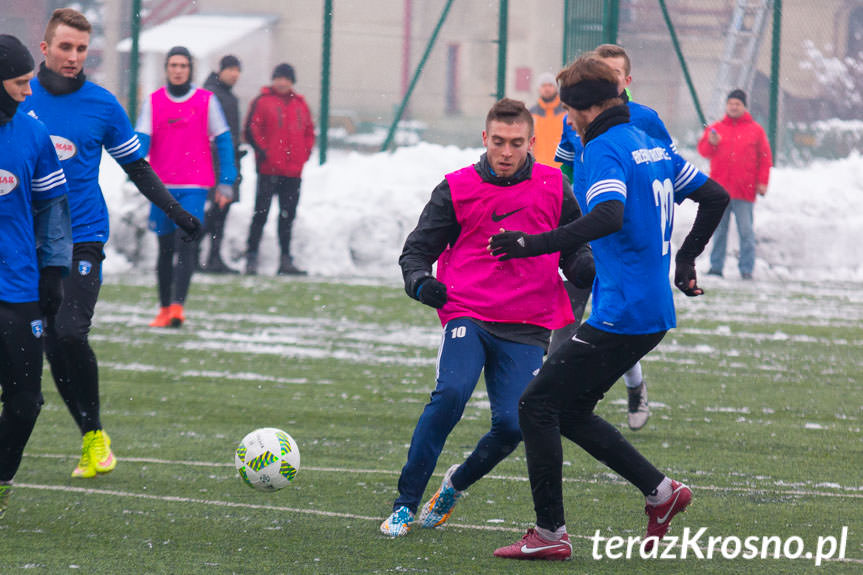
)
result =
(180, 146)
(527, 290)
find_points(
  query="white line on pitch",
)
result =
(318, 512)
(607, 480)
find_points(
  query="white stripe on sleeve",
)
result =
(606, 186)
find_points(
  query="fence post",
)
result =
(134, 60)
(416, 77)
(775, 50)
(325, 81)
(502, 27)
(682, 62)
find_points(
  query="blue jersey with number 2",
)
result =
(631, 293)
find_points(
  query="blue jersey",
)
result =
(570, 150)
(29, 172)
(81, 124)
(631, 292)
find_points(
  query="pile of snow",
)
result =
(356, 210)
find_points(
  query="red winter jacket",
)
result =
(281, 131)
(742, 159)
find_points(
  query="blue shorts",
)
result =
(192, 200)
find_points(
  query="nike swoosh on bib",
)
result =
(496, 218)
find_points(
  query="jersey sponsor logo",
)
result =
(643, 155)
(65, 148)
(84, 267)
(36, 328)
(495, 217)
(8, 182)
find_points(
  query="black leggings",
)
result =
(67, 347)
(20, 380)
(560, 401)
(175, 278)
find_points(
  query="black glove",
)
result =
(511, 245)
(432, 293)
(50, 290)
(585, 270)
(191, 226)
(684, 277)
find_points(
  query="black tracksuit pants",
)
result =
(288, 191)
(560, 401)
(20, 379)
(67, 347)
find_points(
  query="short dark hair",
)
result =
(509, 111)
(614, 51)
(68, 17)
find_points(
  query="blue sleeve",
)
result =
(49, 180)
(120, 140)
(144, 139)
(565, 152)
(53, 230)
(606, 174)
(687, 178)
(225, 149)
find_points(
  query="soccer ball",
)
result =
(267, 459)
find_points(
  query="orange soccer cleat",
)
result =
(176, 314)
(163, 319)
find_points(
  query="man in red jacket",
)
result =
(279, 127)
(740, 161)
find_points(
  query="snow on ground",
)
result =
(356, 210)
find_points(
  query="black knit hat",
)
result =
(739, 95)
(15, 58)
(229, 61)
(284, 71)
(178, 51)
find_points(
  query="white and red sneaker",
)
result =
(532, 546)
(659, 516)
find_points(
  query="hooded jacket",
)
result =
(547, 127)
(742, 159)
(280, 129)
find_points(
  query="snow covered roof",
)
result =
(202, 34)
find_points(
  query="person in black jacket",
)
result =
(221, 84)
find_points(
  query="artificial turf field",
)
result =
(756, 404)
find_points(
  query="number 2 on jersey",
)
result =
(663, 197)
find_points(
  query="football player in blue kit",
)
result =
(631, 183)
(82, 118)
(569, 153)
(35, 252)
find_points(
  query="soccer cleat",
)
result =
(639, 410)
(532, 546)
(399, 523)
(176, 314)
(96, 455)
(438, 509)
(85, 467)
(163, 319)
(659, 516)
(100, 452)
(5, 493)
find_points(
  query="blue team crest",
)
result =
(36, 327)
(84, 267)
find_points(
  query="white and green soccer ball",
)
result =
(267, 459)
